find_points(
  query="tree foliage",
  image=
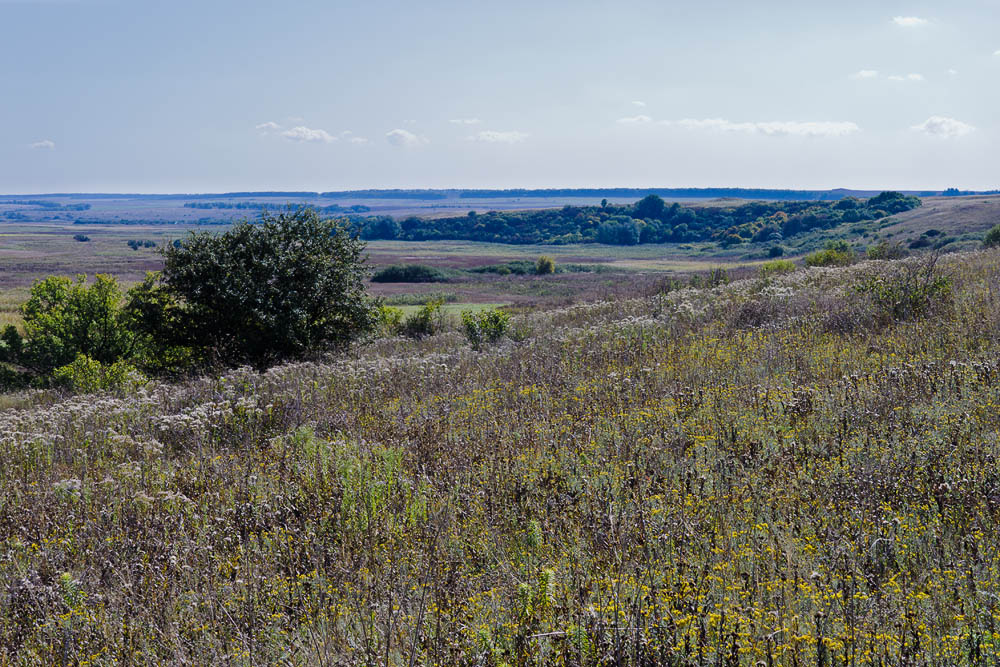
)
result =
(280, 288)
(650, 220)
(64, 319)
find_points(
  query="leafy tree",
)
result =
(65, 319)
(649, 207)
(381, 228)
(281, 288)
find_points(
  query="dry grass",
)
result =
(768, 472)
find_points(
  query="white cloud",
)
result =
(770, 128)
(494, 137)
(269, 126)
(634, 120)
(909, 77)
(942, 126)
(44, 144)
(997, 52)
(909, 21)
(308, 135)
(953, 72)
(404, 138)
(865, 74)
(465, 121)
(639, 104)
(351, 138)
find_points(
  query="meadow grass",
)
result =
(775, 471)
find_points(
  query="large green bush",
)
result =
(280, 288)
(64, 319)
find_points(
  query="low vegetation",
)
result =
(796, 470)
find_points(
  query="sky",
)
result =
(210, 96)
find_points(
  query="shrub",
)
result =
(886, 250)
(390, 320)
(545, 265)
(82, 238)
(425, 322)
(835, 253)
(992, 238)
(409, 273)
(89, 375)
(775, 251)
(909, 290)
(287, 286)
(777, 267)
(487, 326)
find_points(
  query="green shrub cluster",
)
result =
(425, 322)
(992, 238)
(835, 253)
(285, 287)
(484, 327)
(544, 266)
(777, 267)
(409, 273)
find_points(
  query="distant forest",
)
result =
(649, 220)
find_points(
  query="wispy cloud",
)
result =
(351, 138)
(638, 103)
(952, 71)
(909, 21)
(909, 77)
(269, 126)
(942, 126)
(465, 121)
(635, 120)
(44, 144)
(404, 138)
(865, 74)
(495, 137)
(304, 134)
(770, 128)
(997, 52)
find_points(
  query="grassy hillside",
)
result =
(955, 216)
(793, 471)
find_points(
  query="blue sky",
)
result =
(143, 96)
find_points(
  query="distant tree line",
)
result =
(45, 204)
(650, 220)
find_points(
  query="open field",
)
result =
(790, 471)
(29, 250)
